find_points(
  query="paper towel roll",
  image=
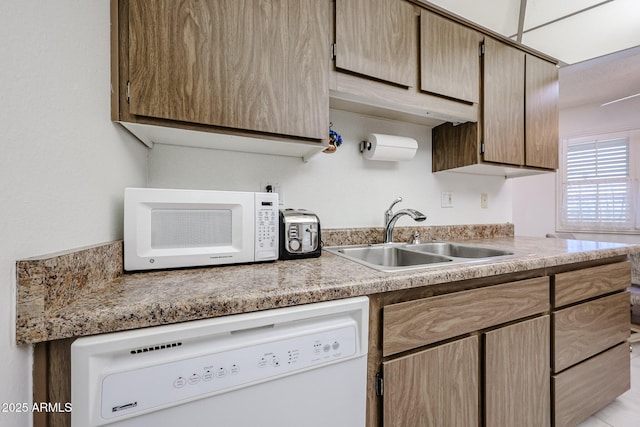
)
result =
(389, 147)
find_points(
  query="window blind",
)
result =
(597, 186)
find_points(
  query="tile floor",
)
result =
(625, 410)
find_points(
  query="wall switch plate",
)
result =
(446, 199)
(484, 200)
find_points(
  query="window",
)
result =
(599, 184)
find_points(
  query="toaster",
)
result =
(299, 234)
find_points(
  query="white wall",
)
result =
(343, 188)
(534, 205)
(63, 164)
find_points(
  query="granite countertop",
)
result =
(116, 301)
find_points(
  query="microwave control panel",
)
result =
(266, 244)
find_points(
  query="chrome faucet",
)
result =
(390, 219)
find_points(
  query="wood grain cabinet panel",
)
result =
(517, 129)
(503, 112)
(541, 113)
(578, 285)
(450, 64)
(433, 388)
(589, 328)
(258, 65)
(377, 38)
(412, 324)
(517, 379)
(590, 386)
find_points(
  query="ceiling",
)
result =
(570, 30)
(601, 80)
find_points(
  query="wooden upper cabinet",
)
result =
(517, 129)
(503, 112)
(541, 130)
(255, 65)
(377, 38)
(449, 58)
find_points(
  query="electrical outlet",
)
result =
(484, 200)
(446, 199)
(272, 186)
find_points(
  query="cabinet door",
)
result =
(231, 63)
(449, 60)
(503, 104)
(436, 387)
(541, 113)
(517, 390)
(377, 38)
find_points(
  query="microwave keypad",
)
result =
(266, 230)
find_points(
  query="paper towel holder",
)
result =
(388, 147)
(365, 145)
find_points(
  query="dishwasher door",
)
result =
(291, 367)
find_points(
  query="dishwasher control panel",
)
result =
(128, 392)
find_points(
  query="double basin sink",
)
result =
(391, 257)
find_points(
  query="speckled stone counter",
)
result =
(85, 292)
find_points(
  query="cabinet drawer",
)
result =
(587, 329)
(574, 286)
(413, 324)
(590, 386)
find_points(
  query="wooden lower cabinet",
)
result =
(495, 378)
(590, 353)
(435, 387)
(591, 385)
(516, 387)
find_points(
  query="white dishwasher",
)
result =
(302, 366)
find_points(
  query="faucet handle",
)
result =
(389, 213)
(416, 238)
(395, 202)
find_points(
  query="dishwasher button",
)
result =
(235, 369)
(180, 382)
(326, 348)
(262, 363)
(336, 345)
(207, 376)
(221, 373)
(194, 379)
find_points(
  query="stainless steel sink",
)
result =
(388, 257)
(391, 257)
(459, 250)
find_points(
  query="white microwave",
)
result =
(167, 228)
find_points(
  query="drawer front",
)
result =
(587, 329)
(579, 285)
(416, 323)
(588, 387)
